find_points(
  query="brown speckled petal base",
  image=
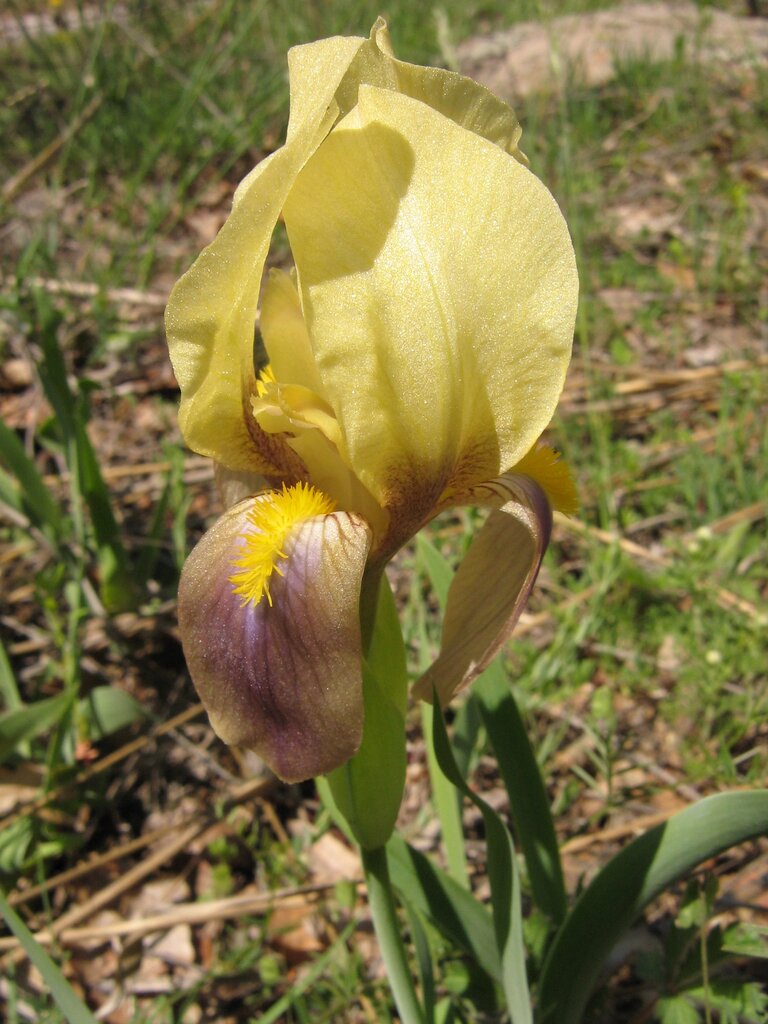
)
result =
(283, 680)
(492, 584)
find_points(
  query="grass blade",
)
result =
(424, 960)
(315, 970)
(29, 721)
(38, 505)
(9, 690)
(75, 1011)
(117, 589)
(629, 882)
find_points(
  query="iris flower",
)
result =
(416, 354)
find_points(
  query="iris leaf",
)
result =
(455, 912)
(75, 1011)
(505, 884)
(519, 769)
(631, 880)
(528, 798)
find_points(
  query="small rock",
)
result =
(17, 374)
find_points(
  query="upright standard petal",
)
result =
(492, 584)
(277, 659)
(439, 287)
(212, 310)
(461, 99)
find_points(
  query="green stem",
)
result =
(388, 931)
(369, 602)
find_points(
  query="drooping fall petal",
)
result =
(282, 675)
(439, 287)
(491, 586)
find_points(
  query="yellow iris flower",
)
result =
(416, 354)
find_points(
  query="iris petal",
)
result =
(492, 584)
(464, 101)
(212, 309)
(285, 334)
(283, 679)
(439, 287)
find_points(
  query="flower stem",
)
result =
(388, 931)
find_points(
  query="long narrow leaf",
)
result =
(29, 721)
(117, 588)
(466, 734)
(9, 690)
(446, 797)
(75, 1011)
(505, 885)
(424, 960)
(447, 800)
(455, 912)
(528, 798)
(629, 882)
(425, 887)
(436, 566)
(38, 503)
(88, 486)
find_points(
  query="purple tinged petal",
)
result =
(284, 679)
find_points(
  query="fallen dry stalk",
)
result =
(183, 913)
(89, 290)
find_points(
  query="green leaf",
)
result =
(528, 800)
(107, 709)
(368, 789)
(697, 904)
(446, 798)
(27, 722)
(9, 691)
(735, 1001)
(386, 653)
(15, 842)
(467, 734)
(529, 803)
(746, 940)
(447, 801)
(38, 504)
(677, 1010)
(437, 568)
(8, 688)
(117, 587)
(634, 877)
(455, 912)
(505, 884)
(423, 959)
(75, 1011)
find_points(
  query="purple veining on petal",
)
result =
(283, 679)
